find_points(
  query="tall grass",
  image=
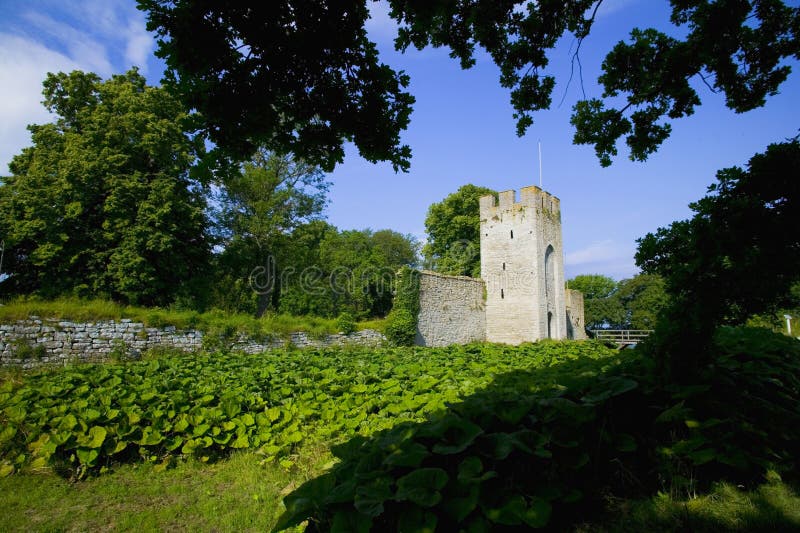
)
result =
(78, 310)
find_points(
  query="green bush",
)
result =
(22, 349)
(406, 294)
(346, 323)
(401, 327)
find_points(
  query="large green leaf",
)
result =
(409, 455)
(369, 497)
(304, 500)
(87, 456)
(422, 486)
(94, 438)
(453, 434)
(349, 522)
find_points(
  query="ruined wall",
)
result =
(36, 341)
(576, 323)
(523, 267)
(451, 310)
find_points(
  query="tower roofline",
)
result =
(531, 196)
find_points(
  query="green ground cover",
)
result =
(87, 417)
(222, 441)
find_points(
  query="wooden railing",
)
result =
(622, 337)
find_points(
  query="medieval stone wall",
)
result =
(451, 310)
(576, 322)
(37, 341)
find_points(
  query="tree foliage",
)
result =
(257, 209)
(360, 268)
(296, 76)
(738, 255)
(271, 195)
(453, 227)
(633, 303)
(593, 286)
(302, 76)
(103, 202)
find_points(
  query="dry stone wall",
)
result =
(46, 341)
(451, 310)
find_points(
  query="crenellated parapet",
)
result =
(530, 197)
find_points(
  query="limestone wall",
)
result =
(36, 341)
(451, 310)
(576, 323)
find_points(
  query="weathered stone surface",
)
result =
(522, 278)
(576, 323)
(523, 267)
(451, 310)
(65, 341)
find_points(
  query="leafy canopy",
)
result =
(294, 76)
(737, 256)
(632, 303)
(302, 76)
(258, 206)
(453, 227)
(103, 202)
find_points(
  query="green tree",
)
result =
(602, 309)
(593, 286)
(453, 227)
(361, 266)
(259, 206)
(642, 297)
(104, 203)
(326, 85)
(632, 303)
(737, 256)
(305, 284)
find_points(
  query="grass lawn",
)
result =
(236, 494)
(239, 494)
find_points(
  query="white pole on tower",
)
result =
(540, 164)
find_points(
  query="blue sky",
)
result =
(461, 131)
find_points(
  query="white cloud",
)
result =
(101, 36)
(609, 7)
(80, 46)
(139, 45)
(24, 64)
(597, 251)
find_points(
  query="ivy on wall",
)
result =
(401, 326)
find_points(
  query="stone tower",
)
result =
(523, 268)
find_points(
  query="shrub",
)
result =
(401, 327)
(24, 350)
(346, 324)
